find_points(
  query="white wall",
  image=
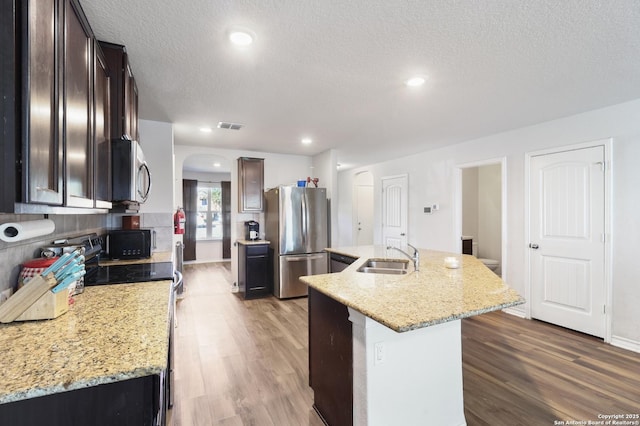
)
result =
(489, 212)
(156, 139)
(470, 202)
(279, 169)
(432, 180)
(325, 169)
(206, 177)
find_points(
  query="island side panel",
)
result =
(409, 378)
(330, 359)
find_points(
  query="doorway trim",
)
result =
(355, 208)
(405, 214)
(607, 144)
(502, 161)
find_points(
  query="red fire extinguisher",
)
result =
(178, 221)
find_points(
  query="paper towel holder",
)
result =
(17, 231)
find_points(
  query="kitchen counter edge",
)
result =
(80, 349)
(432, 296)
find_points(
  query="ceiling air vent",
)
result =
(230, 126)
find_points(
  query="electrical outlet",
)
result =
(5, 294)
(379, 353)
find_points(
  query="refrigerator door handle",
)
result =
(305, 218)
(304, 258)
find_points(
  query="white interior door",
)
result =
(567, 250)
(395, 204)
(364, 215)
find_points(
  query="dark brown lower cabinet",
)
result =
(134, 402)
(330, 359)
(254, 270)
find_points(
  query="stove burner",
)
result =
(139, 272)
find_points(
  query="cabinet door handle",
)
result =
(300, 259)
(534, 246)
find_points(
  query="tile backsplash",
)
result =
(13, 255)
(160, 223)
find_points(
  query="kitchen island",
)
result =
(404, 361)
(106, 356)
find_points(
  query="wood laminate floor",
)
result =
(245, 363)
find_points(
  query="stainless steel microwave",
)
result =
(130, 177)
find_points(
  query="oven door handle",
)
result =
(177, 280)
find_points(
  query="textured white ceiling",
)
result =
(334, 70)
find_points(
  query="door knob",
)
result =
(403, 234)
(534, 246)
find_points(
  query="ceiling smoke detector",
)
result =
(230, 126)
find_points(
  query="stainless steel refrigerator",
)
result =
(296, 227)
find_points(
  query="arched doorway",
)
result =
(206, 199)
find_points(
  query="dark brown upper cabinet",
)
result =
(124, 92)
(78, 106)
(41, 118)
(55, 106)
(250, 185)
(10, 183)
(102, 130)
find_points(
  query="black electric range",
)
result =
(134, 273)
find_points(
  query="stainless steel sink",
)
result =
(384, 266)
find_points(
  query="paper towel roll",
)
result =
(18, 231)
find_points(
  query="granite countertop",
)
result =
(158, 256)
(111, 333)
(435, 294)
(252, 242)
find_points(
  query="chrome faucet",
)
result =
(415, 257)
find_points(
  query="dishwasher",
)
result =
(339, 262)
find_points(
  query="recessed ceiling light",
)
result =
(416, 81)
(241, 38)
(216, 164)
(306, 141)
(206, 129)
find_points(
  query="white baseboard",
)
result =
(620, 342)
(624, 343)
(515, 312)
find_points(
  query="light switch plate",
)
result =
(379, 353)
